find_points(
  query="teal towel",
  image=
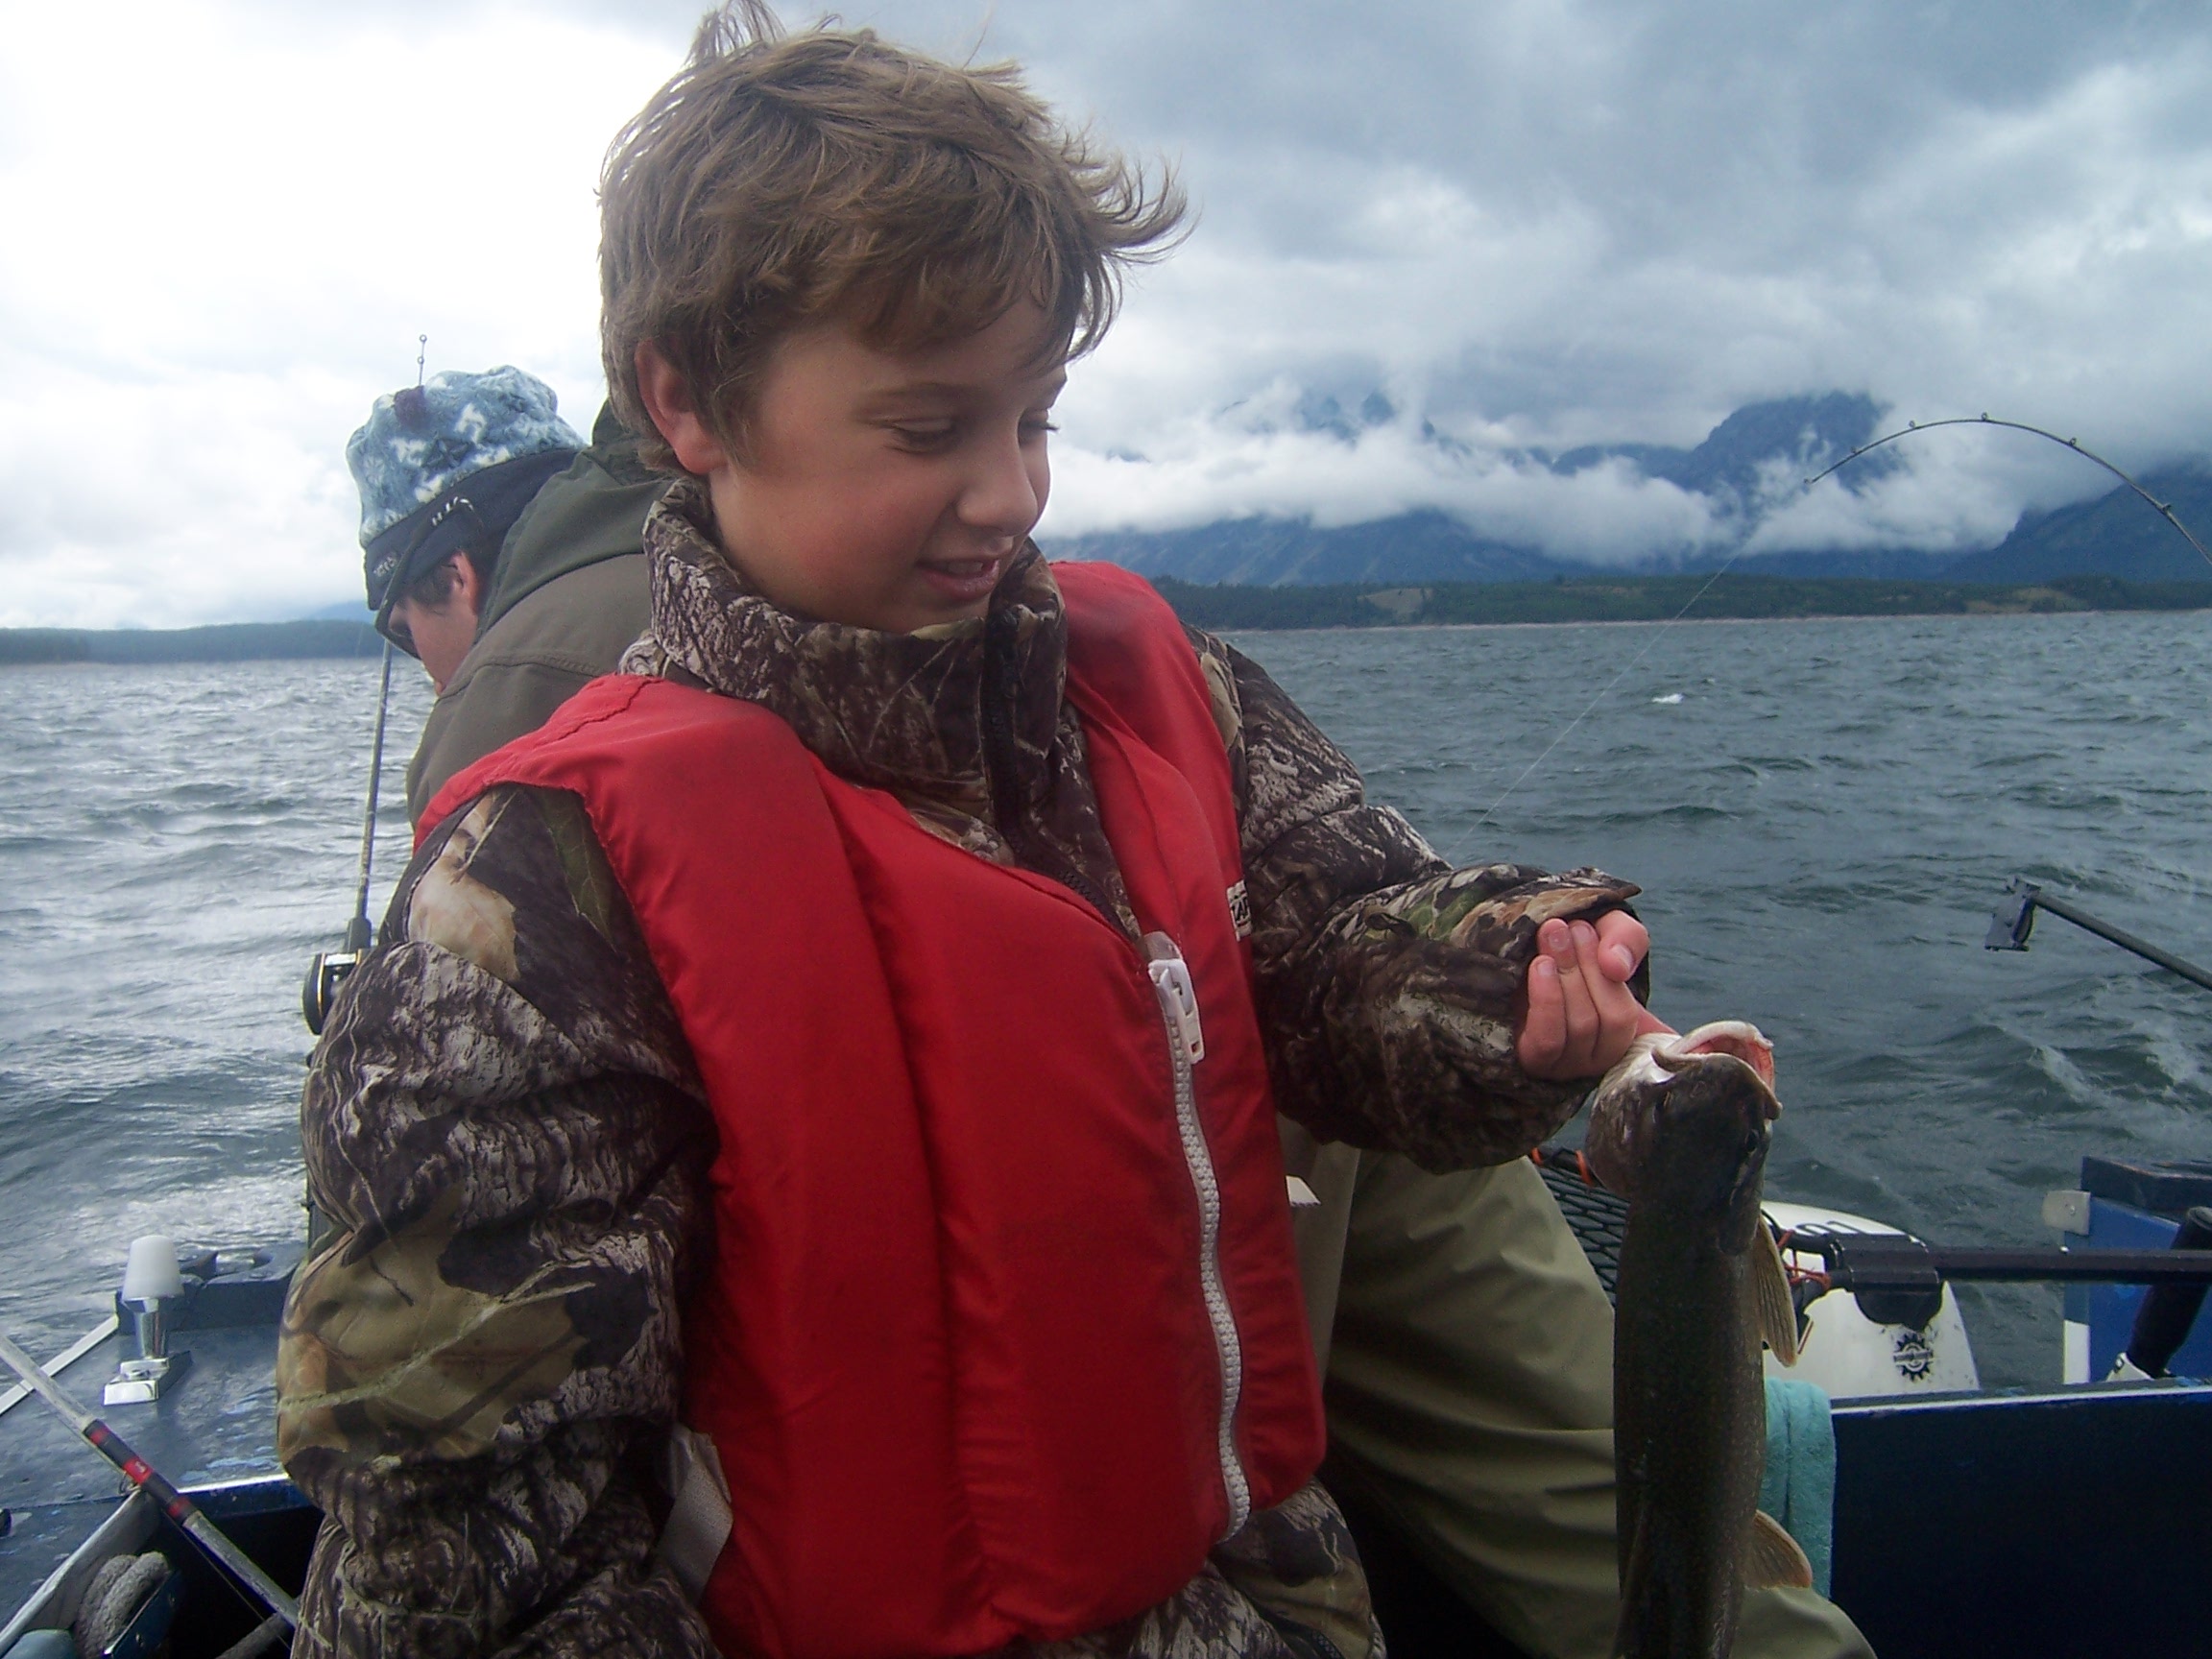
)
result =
(1799, 1488)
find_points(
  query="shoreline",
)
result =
(1704, 621)
(1338, 608)
(1660, 599)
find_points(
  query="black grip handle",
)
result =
(2162, 1323)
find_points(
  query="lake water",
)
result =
(1823, 815)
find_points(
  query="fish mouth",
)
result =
(1736, 1040)
(1626, 1121)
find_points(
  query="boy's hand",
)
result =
(1581, 1015)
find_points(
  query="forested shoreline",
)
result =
(224, 642)
(1656, 598)
(1342, 605)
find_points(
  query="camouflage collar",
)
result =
(897, 712)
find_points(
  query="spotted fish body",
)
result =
(1681, 1128)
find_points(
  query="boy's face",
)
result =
(884, 489)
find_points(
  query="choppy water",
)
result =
(1822, 822)
(176, 842)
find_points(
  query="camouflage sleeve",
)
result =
(1389, 984)
(477, 1366)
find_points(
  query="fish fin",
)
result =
(1771, 1295)
(1771, 1559)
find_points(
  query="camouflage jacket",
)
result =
(503, 1124)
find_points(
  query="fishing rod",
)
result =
(2164, 509)
(357, 931)
(1895, 1261)
(329, 971)
(1897, 1280)
(180, 1510)
(2016, 920)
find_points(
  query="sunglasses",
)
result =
(453, 528)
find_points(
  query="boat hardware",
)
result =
(1899, 1281)
(329, 971)
(173, 1503)
(152, 1289)
(2015, 919)
(61, 1361)
(2162, 1323)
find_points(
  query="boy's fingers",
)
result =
(1582, 1022)
(1581, 1015)
(1619, 1016)
(1543, 1028)
(1625, 941)
(1579, 977)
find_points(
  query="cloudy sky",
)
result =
(1529, 223)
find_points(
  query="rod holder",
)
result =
(142, 1380)
(2015, 919)
(154, 1291)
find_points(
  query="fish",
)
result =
(1680, 1129)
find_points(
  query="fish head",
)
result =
(1683, 1123)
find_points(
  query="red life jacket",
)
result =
(1002, 1335)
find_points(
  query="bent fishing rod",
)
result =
(2164, 509)
(180, 1510)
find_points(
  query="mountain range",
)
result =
(1734, 468)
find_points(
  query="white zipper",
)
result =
(1178, 998)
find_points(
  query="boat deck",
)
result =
(212, 1433)
(2026, 1522)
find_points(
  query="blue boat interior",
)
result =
(2065, 1521)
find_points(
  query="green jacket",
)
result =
(566, 597)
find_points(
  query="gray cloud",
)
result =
(1532, 225)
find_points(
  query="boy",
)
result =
(871, 968)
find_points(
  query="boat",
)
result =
(2064, 1520)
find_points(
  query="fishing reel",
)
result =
(329, 971)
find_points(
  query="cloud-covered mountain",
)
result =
(1743, 495)
(1738, 458)
(2117, 534)
(1424, 546)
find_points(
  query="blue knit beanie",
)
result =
(447, 465)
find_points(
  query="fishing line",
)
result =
(1568, 731)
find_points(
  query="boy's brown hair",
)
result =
(781, 180)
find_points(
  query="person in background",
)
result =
(501, 551)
